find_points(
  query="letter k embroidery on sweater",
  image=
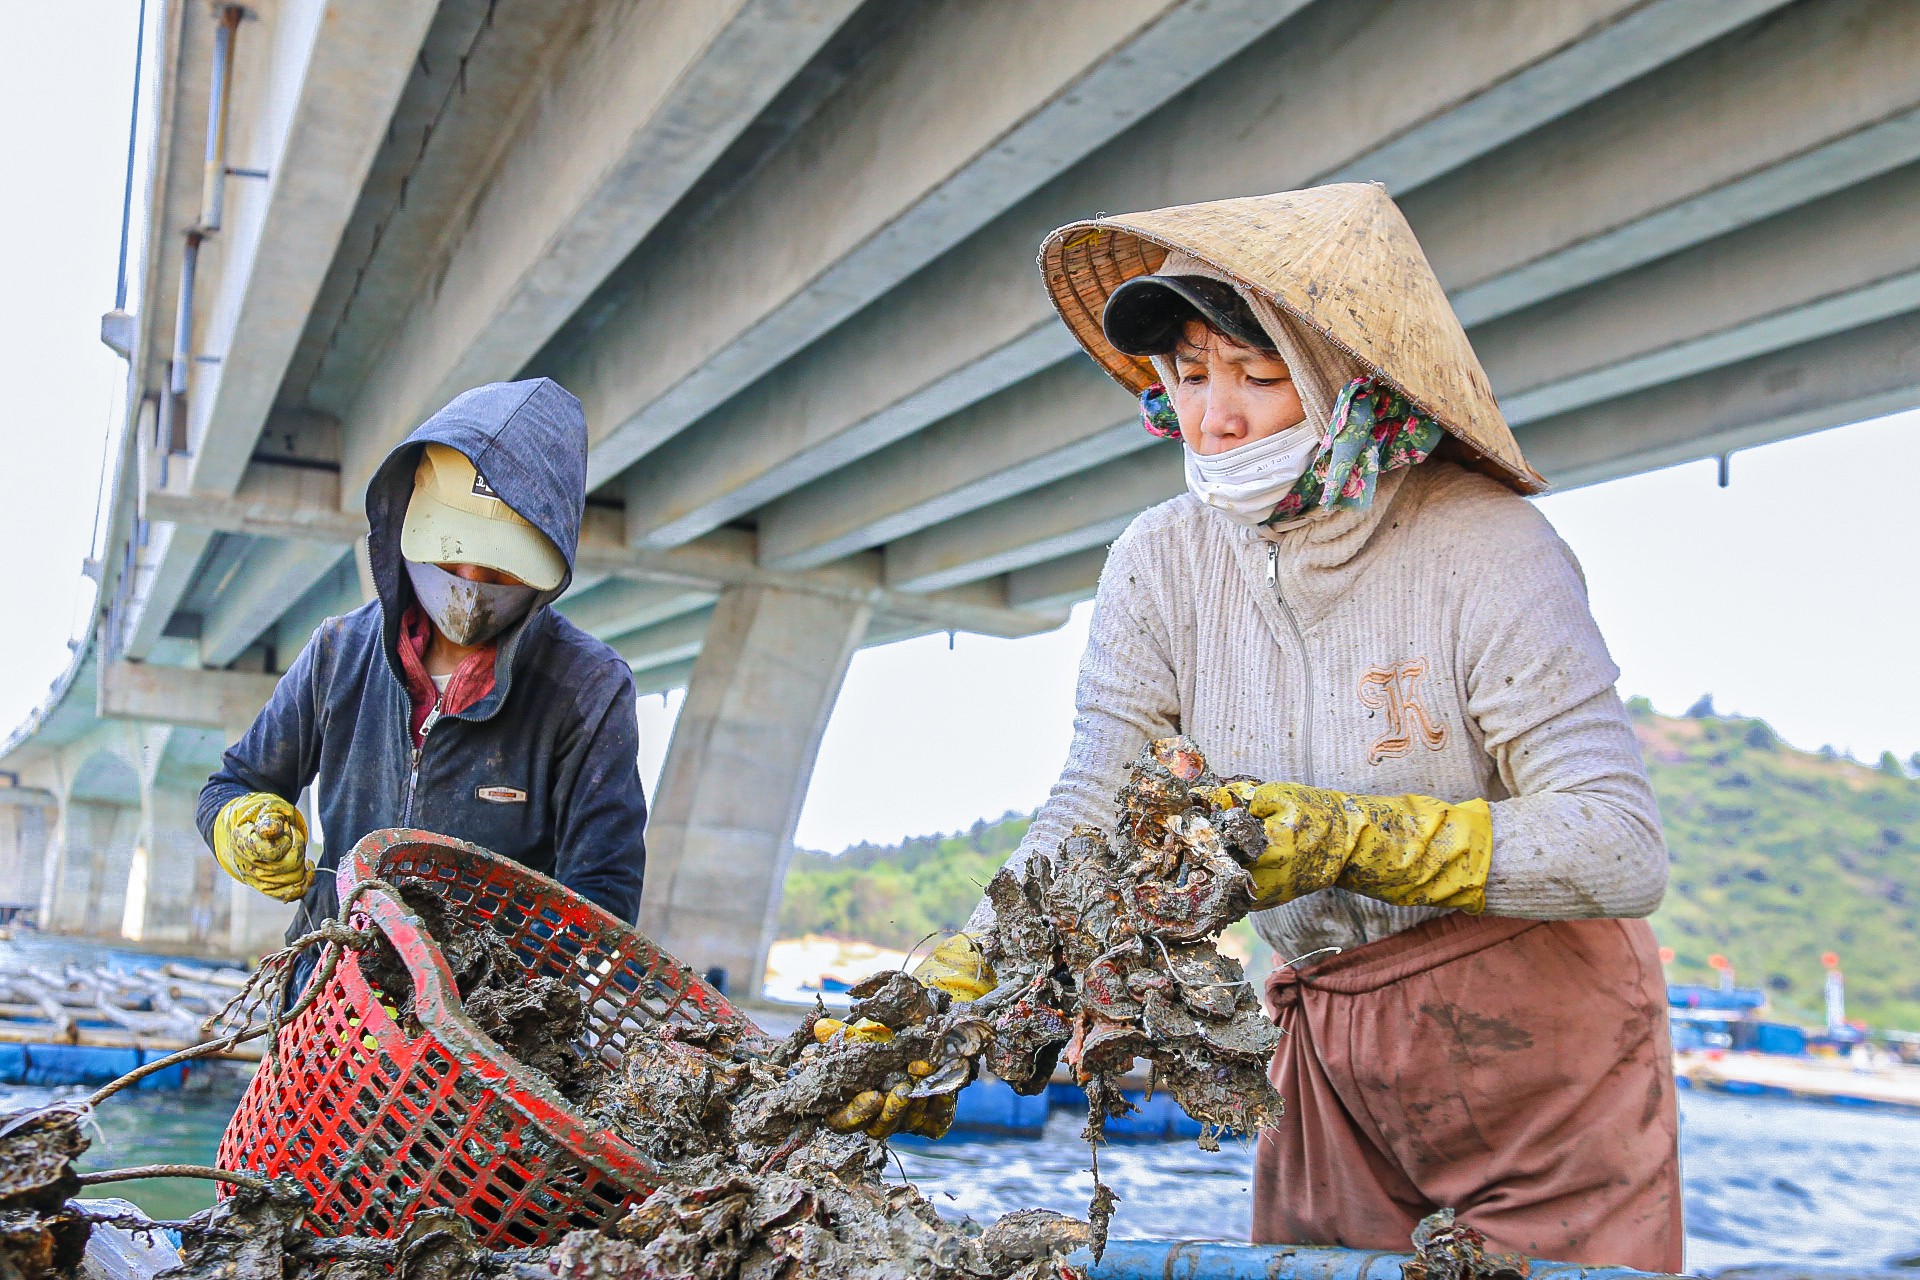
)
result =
(1396, 690)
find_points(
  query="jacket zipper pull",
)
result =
(413, 768)
(426, 727)
(1273, 567)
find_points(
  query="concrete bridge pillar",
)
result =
(721, 833)
(179, 894)
(89, 864)
(28, 816)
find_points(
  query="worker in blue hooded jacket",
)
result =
(458, 701)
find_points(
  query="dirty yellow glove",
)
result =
(261, 840)
(1407, 850)
(958, 968)
(881, 1113)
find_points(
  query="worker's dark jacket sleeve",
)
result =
(543, 769)
(281, 750)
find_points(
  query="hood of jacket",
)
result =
(529, 440)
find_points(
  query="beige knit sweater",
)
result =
(1438, 643)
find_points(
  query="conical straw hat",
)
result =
(1340, 258)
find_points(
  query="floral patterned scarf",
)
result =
(1374, 429)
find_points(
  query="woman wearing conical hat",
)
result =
(1354, 603)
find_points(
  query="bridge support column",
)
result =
(182, 896)
(736, 773)
(28, 817)
(89, 861)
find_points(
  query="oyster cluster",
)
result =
(773, 1158)
(1107, 954)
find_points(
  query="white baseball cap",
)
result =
(455, 517)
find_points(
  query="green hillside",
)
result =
(1778, 855)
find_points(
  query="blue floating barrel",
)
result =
(1158, 1117)
(992, 1106)
(1151, 1118)
(172, 1077)
(64, 1064)
(52, 1064)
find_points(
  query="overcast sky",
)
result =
(1790, 595)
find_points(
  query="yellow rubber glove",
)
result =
(958, 968)
(1412, 851)
(261, 840)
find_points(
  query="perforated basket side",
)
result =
(377, 1127)
(625, 981)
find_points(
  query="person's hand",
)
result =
(885, 1112)
(261, 840)
(1406, 850)
(957, 967)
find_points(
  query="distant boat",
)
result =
(830, 983)
(1857, 1081)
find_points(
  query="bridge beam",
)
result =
(322, 97)
(886, 176)
(273, 577)
(1835, 264)
(1695, 149)
(297, 503)
(162, 571)
(664, 643)
(1061, 583)
(736, 773)
(1843, 378)
(641, 105)
(617, 607)
(974, 321)
(1084, 511)
(1064, 420)
(199, 698)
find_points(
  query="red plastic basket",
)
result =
(379, 1126)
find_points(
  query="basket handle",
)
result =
(435, 993)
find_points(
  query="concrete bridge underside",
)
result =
(783, 251)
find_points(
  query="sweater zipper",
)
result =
(1306, 719)
(1306, 659)
(413, 773)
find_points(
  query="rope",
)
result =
(248, 1180)
(265, 990)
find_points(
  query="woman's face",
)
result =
(1227, 395)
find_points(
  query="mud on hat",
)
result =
(455, 517)
(1340, 259)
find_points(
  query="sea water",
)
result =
(1766, 1180)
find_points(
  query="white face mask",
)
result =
(1247, 483)
(468, 613)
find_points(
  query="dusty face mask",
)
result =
(1247, 483)
(468, 613)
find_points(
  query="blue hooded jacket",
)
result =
(558, 726)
